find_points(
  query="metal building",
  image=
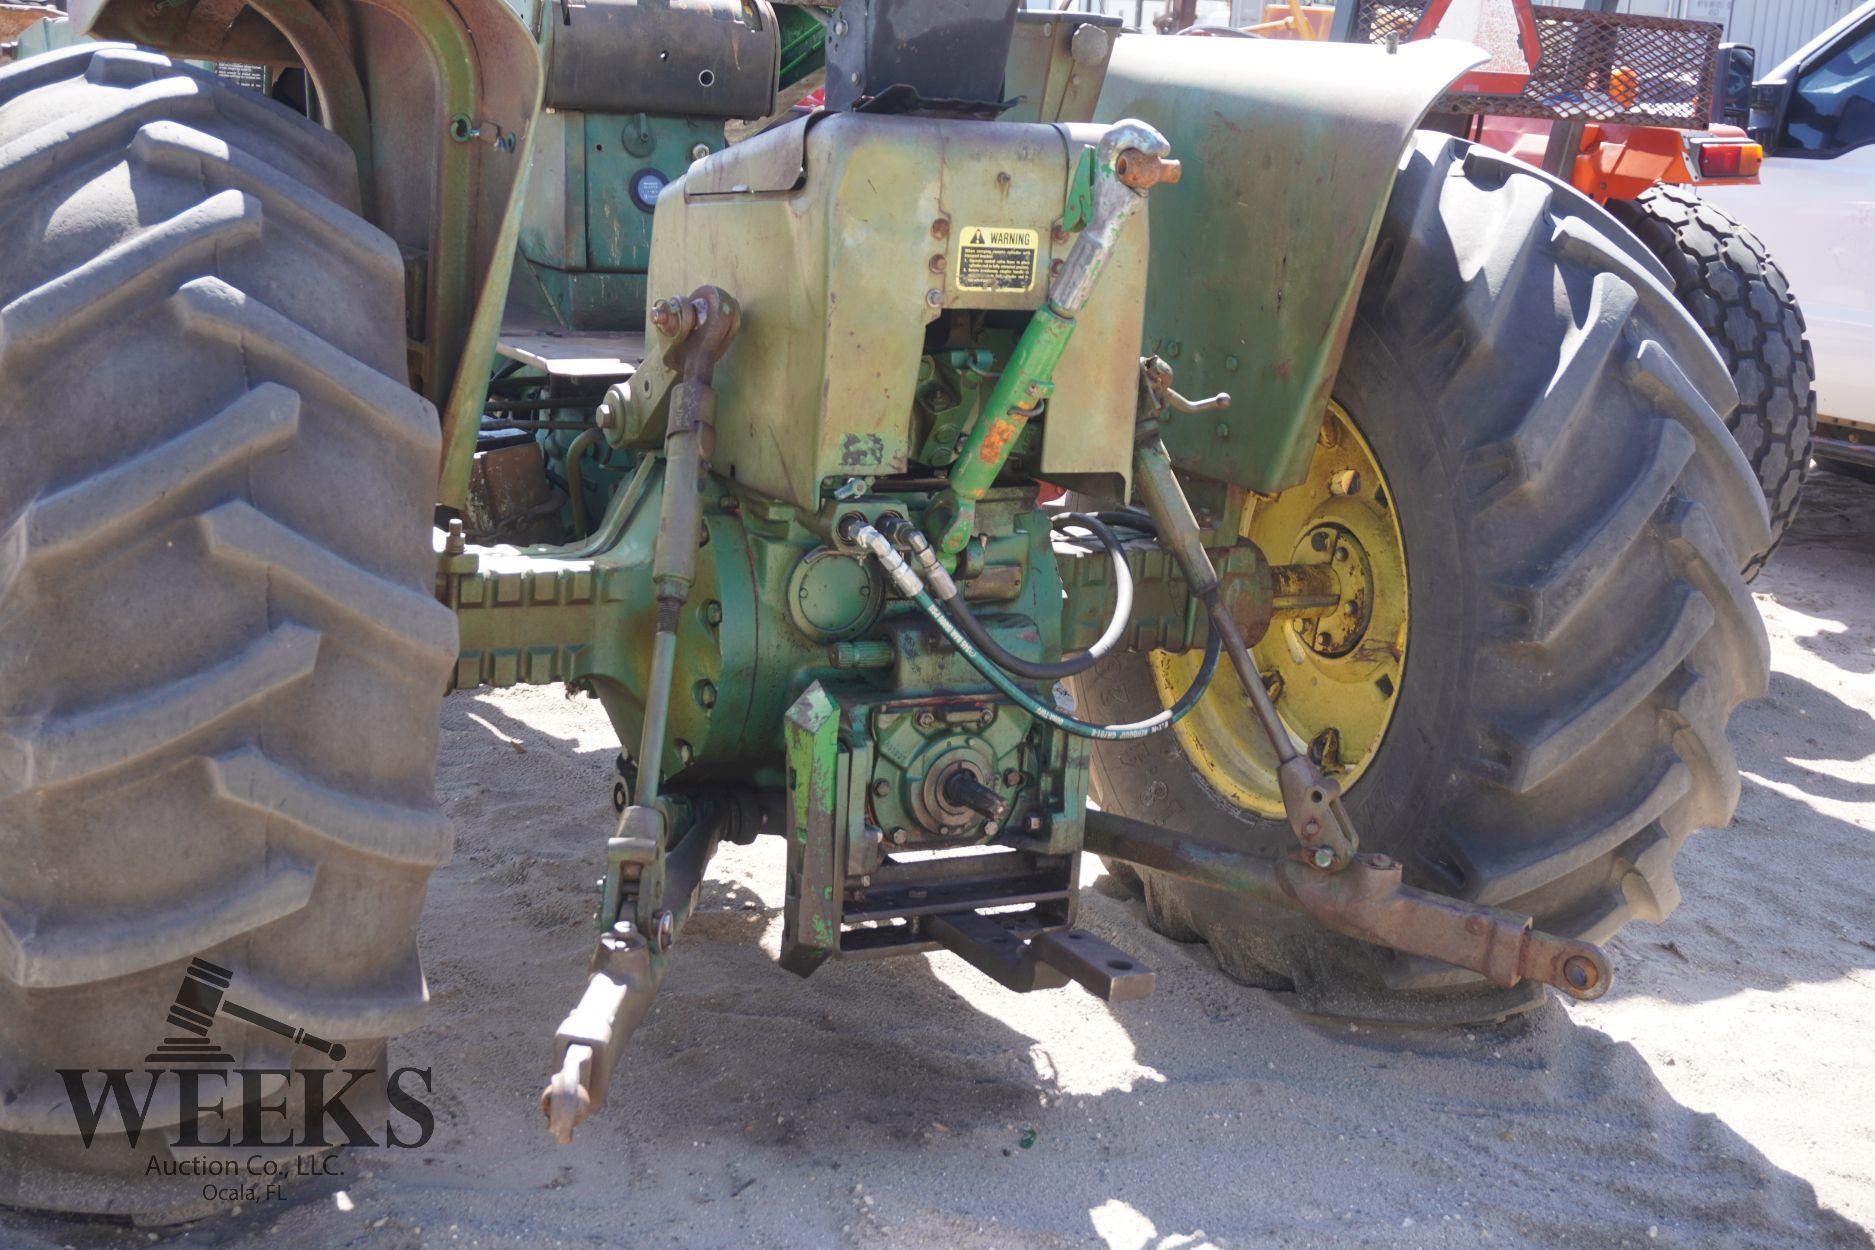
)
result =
(1776, 28)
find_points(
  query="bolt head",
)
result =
(1323, 857)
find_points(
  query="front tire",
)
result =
(1737, 293)
(1574, 515)
(221, 663)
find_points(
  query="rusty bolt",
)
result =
(1058, 233)
(1141, 170)
(1273, 686)
(1013, 777)
(881, 788)
(712, 612)
(899, 836)
(1346, 482)
(1323, 857)
(665, 316)
(927, 719)
(936, 264)
(1580, 972)
(457, 541)
(941, 228)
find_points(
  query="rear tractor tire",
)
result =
(1726, 278)
(1527, 468)
(220, 659)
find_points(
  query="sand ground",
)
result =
(1722, 1095)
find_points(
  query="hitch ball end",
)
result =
(1578, 969)
(567, 1100)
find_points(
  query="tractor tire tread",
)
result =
(1596, 520)
(221, 659)
(1733, 287)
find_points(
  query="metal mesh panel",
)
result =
(1374, 20)
(1600, 67)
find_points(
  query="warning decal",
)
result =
(996, 258)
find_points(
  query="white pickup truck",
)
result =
(1815, 211)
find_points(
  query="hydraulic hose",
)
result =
(912, 587)
(945, 591)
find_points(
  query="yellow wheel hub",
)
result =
(1332, 663)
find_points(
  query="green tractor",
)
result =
(1392, 622)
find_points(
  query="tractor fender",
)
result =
(443, 149)
(1257, 257)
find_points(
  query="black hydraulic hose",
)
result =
(1036, 670)
(912, 587)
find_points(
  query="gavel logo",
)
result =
(199, 999)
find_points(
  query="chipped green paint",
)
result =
(810, 927)
(811, 728)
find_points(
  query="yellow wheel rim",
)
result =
(1336, 676)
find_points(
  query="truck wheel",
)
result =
(1526, 472)
(220, 662)
(1739, 296)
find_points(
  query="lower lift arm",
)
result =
(1329, 880)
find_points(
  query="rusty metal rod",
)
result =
(1303, 590)
(1311, 799)
(1366, 900)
